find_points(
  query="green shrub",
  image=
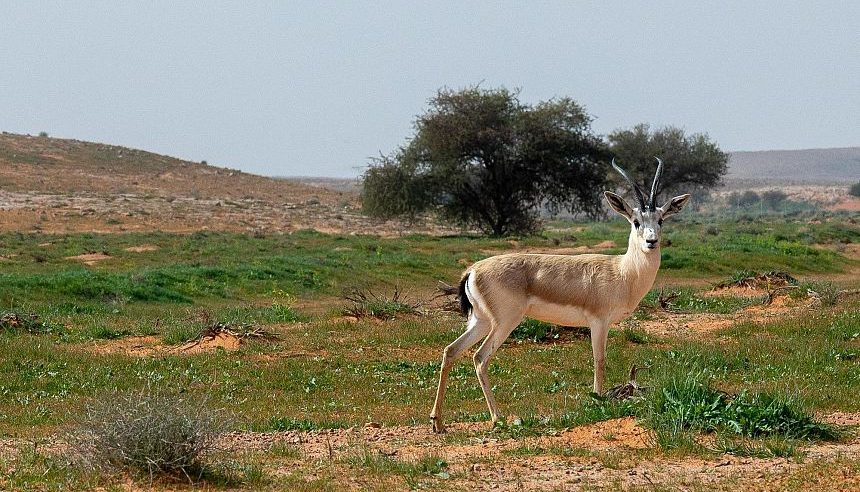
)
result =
(854, 190)
(690, 402)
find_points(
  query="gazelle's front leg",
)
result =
(599, 334)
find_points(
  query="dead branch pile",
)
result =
(12, 321)
(450, 293)
(240, 331)
(767, 280)
(366, 303)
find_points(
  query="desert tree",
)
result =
(693, 162)
(482, 158)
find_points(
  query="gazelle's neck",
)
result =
(640, 267)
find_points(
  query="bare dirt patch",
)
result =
(617, 453)
(90, 258)
(138, 346)
(695, 324)
(143, 248)
(211, 343)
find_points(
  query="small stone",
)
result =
(475, 467)
(372, 425)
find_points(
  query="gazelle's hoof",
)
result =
(438, 427)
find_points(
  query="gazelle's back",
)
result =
(587, 281)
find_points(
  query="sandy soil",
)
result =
(584, 456)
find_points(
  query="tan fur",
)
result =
(582, 290)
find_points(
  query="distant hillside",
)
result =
(58, 186)
(53, 165)
(819, 166)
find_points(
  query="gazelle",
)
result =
(573, 290)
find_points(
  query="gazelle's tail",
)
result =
(465, 305)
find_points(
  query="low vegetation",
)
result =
(756, 386)
(151, 432)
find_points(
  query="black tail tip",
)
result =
(465, 305)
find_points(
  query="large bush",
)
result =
(481, 158)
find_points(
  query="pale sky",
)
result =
(315, 88)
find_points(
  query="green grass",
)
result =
(689, 402)
(326, 372)
(687, 300)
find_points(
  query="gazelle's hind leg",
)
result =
(485, 352)
(475, 331)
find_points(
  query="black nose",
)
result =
(651, 241)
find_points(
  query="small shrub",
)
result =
(827, 293)
(152, 432)
(744, 199)
(854, 190)
(366, 303)
(772, 199)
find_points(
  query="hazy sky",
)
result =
(315, 88)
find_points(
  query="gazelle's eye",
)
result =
(636, 224)
(660, 222)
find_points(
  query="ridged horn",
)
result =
(653, 198)
(633, 184)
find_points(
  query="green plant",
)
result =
(534, 330)
(689, 402)
(854, 190)
(293, 424)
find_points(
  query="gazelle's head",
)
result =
(646, 221)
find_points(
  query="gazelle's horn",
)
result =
(653, 198)
(633, 184)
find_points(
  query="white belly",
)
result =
(556, 313)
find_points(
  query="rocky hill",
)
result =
(61, 185)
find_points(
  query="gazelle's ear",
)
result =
(618, 204)
(674, 205)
